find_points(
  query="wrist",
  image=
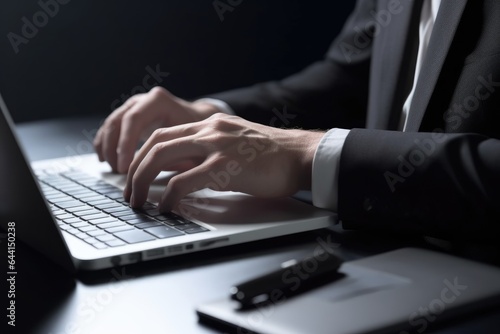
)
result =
(308, 142)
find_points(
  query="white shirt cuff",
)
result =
(219, 104)
(325, 171)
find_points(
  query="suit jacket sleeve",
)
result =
(339, 82)
(437, 183)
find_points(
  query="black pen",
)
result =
(293, 276)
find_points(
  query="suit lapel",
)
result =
(387, 67)
(390, 67)
(446, 24)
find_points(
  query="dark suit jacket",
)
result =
(441, 176)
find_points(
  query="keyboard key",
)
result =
(112, 224)
(112, 206)
(148, 206)
(90, 240)
(163, 232)
(100, 245)
(134, 236)
(80, 224)
(58, 212)
(172, 222)
(96, 216)
(75, 175)
(172, 215)
(97, 233)
(120, 209)
(61, 185)
(136, 216)
(97, 197)
(184, 227)
(79, 192)
(106, 237)
(169, 216)
(103, 201)
(103, 187)
(58, 198)
(124, 227)
(91, 197)
(148, 224)
(81, 208)
(72, 230)
(81, 235)
(108, 189)
(91, 183)
(108, 206)
(164, 215)
(64, 216)
(123, 213)
(140, 221)
(68, 204)
(71, 188)
(51, 178)
(153, 212)
(195, 230)
(88, 228)
(115, 195)
(72, 220)
(115, 243)
(90, 212)
(162, 218)
(103, 220)
(48, 190)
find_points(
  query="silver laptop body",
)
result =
(216, 219)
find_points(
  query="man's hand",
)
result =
(223, 153)
(118, 138)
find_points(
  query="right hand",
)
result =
(118, 137)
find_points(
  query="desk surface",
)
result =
(161, 296)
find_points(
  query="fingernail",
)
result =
(132, 201)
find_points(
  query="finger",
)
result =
(160, 157)
(111, 133)
(110, 140)
(106, 126)
(99, 139)
(98, 145)
(160, 135)
(185, 183)
(132, 126)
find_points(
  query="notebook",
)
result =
(72, 211)
(401, 291)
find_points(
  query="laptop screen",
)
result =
(21, 201)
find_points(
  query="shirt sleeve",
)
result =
(219, 104)
(325, 171)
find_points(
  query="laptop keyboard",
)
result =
(95, 212)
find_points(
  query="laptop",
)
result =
(72, 211)
(401, 291)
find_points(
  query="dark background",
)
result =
(91, 52)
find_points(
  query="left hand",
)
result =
(225, 153)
